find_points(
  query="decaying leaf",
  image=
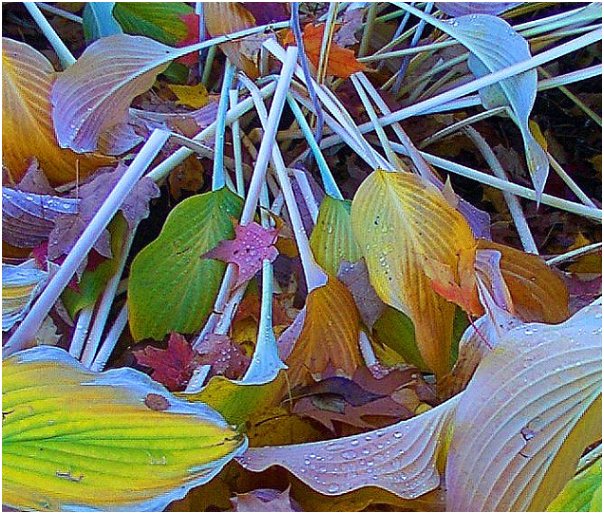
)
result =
(27, 126)
(252, 244)
(265, 500)
(399, 219)
(20, 285)
(124, 443)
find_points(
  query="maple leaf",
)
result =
(174, 366)
(341, 62)
(69, 227)
(225, 357)
(252, 244)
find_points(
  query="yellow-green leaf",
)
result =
(171, 288)
(581, 494)
(332, 240)
(404, 225)
(191, 96)
(77, 440)
(27, 130)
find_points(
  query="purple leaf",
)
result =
(356, 277)
(455, 9)
(403, 456)
(268, 12)
(28, 218)
(95, 93)
(68, 228)
(252, 244)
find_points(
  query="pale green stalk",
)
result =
(111, 340)
(369, 25)
(81, 331)
(207, 66)
(65, 56)
(218, 174)
(577, 252)
(237, 154)
(570, 182)
(60, 12)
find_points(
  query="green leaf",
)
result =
(93, 282)
(237, 402)
(332, 240)
(171, 288)
(581, 494)
(158, 20)
(115, 441)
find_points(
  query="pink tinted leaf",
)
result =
(252, 244)
(356, 277)
(95, 93)
(487, 265)
(172, 366)
(119, 139)
(520, 409)
(225, 357)
(403, 457)
(455, 9)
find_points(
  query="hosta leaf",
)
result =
(401, 458)
(98, 20)
(463, 8)
(171, 288)
(77, 440)
(94, 94)
(400, 220)
(330, 335)
(237, 402)
(332, 240)
(28, 218)
(581, 494)
(158, 20)
(526, 416)
(27, 130)
(538, 293)
(20, 285)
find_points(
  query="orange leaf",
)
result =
(538, 293)
(27, 129)
(341, 62)
(330, 335)
(228, 17)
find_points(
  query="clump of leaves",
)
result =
(378, 305)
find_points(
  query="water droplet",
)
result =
(354, 442)
(333, 488)
(349, 454)
(398, 435)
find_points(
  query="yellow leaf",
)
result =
(20, 284)
(330, 335)
(27, 129)
(114, 441)
(191, 96)
(400, 220)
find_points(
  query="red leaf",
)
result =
(173, 366)
(252, 244)
(225, 357)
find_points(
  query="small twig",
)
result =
(330, 26)
(526, 237)
(574, 253)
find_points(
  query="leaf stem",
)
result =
(369, 25)
(32, 321)
(60, 12)
(330, 26)
(218, 178)
(329, 183)
(526, 237)
(237, 154)
(574, 253)
(81, 331)
(65, 56)
(102, 314)
(111, 340)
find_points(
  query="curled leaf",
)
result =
(27, 126)
(20, 285)
(124, 443)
